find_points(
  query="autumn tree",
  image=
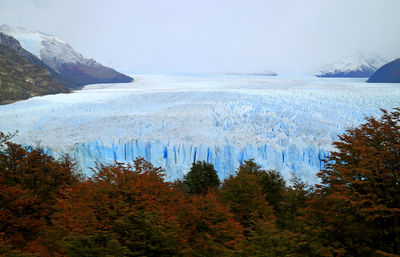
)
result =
(129, 210)
(126, 209)
(356, 210)
(30, 182)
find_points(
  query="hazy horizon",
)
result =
(214, 36)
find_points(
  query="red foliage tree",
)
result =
(30, 182)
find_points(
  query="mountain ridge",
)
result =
(22, 75)
(73, 69)
(356, 66)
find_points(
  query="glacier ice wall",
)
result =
(287, 124)
(177, 159)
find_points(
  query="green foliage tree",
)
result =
(272, 183)
(146, 233)
(243, 193)
(293, 202)
(101, 245)
(267, 240)
(8, 250)
(201, 178)
(208, 227)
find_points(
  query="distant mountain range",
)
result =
(22, 75)
(356, 66)
(388, 73)
(68, 66)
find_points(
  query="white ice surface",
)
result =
(283, 123)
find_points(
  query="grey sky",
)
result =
(214, 35)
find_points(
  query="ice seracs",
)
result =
(359, 65)
(261, 73)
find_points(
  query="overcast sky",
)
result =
(214, 35)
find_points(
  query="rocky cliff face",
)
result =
(388, 73)
(22, 75)
(71, 68)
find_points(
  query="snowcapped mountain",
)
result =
(287, 124)
(75, 69)
(22, 75)
(356, 66)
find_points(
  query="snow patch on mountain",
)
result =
(358, 65)
(45, 46)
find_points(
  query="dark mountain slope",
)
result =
(388, 73)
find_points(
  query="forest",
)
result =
(48, 208)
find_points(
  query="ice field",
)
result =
(284, 123)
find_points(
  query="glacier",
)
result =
(287, 123)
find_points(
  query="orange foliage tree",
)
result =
(356, 210)
(122, 209)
